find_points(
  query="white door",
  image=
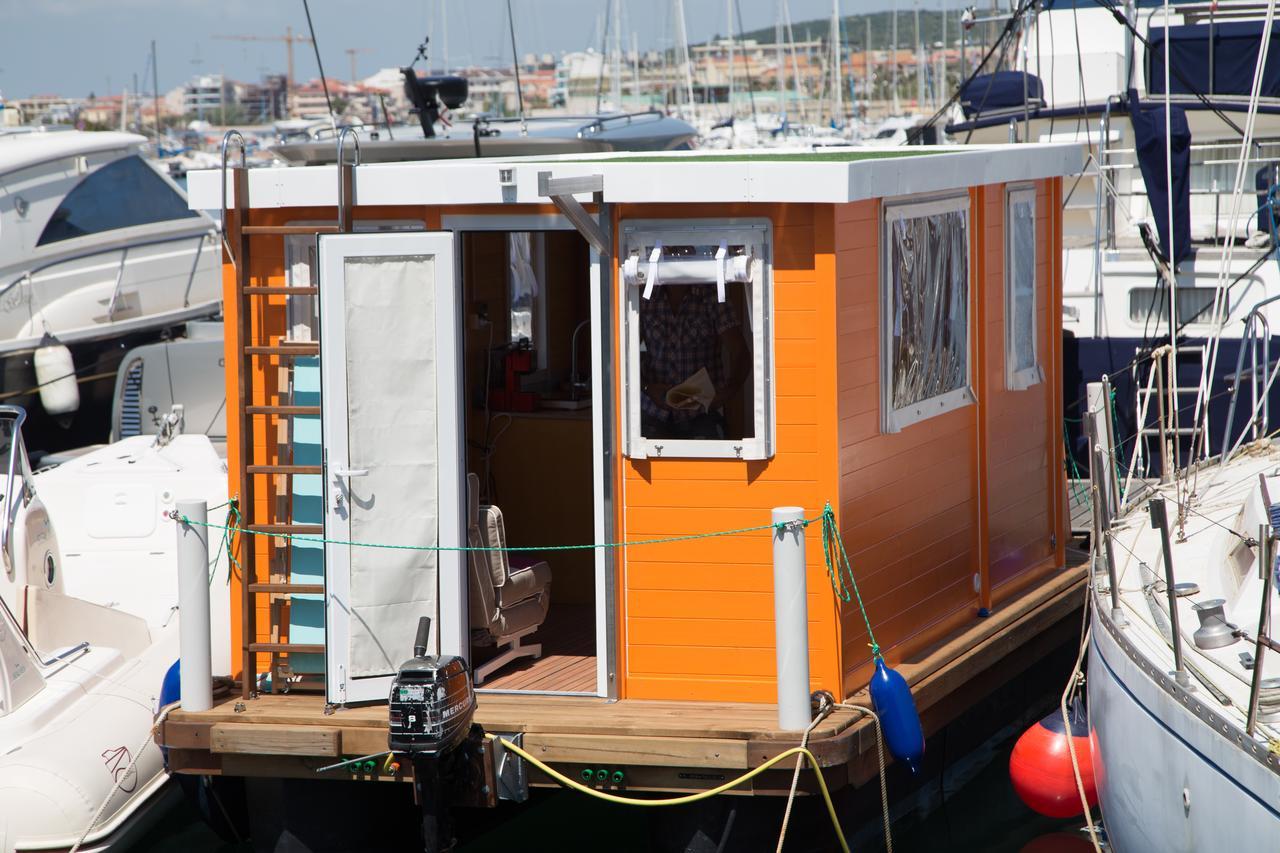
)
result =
(389, 360)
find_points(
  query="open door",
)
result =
(390, 392)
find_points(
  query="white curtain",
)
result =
(391, 401)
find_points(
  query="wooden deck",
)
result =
(662, 745)
(568, 662)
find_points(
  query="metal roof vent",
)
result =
(1214, 631)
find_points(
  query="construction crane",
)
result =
(351, 52)
(289, 40)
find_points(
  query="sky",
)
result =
(77, 47)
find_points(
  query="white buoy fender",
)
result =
(56, 376)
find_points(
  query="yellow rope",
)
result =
(689, 798)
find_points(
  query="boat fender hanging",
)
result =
(1040, 766)
(56, 377)
(899, 719)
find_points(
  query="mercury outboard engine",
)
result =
(430, 711)
(429, 94)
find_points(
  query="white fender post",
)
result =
(791, 619)
(195, 644)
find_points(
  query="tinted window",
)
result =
(123, 193)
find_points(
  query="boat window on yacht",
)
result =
(698, 340)
(925, 322)
(121, 194)
(1020, 366)
(1149, 306)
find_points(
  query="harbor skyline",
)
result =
(104, 48)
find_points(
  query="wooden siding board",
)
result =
(718, 643)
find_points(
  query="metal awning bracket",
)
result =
(561, 191)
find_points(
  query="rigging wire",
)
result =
(324, 81)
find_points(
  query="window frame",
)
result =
(754, 232)
(1027, 377)
(913, 207)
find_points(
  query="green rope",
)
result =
(236, 528)
(839, 567)
(1074, 475)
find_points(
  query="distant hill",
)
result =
(854, 29)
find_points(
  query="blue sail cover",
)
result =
(1001, 90)
(1223, 65)
(1149, 140)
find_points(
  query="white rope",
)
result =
(823, 713)
(137, 753)
(884, 785)
(1071, 745)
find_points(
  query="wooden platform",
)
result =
(568, 662)
(662, 746)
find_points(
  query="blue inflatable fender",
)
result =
(899, 720)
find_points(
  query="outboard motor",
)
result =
(429, 94)
(430, 713)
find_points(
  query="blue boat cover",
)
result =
(999, 91)
(1149, 139)
(1234, 56)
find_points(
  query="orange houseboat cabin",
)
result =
(567, 351)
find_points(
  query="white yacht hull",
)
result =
(1170, 780)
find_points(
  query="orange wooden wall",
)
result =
(697, 617)
(976, 491)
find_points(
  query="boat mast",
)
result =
(919, 61)
(682, 44)
(155, 93)
(837, 93)
(941, 85)
(616, 92)
(781, 65)
(866, 89)
(728, 7)
(894, 60)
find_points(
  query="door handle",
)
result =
(351, 472)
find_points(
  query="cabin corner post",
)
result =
(244, 434)
(791, 618)
(605, 359)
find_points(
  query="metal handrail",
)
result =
(342, 200)
(1266, 550)
(244, 164)
(598, 125)
(1255, 322)
(66, 259)
(15, 445)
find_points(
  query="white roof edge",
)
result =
(30, 149)
(681, 177)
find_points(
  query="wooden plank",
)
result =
(296, 529)
(257, 739)
(285, 350)
(284, 469)
(295, 648)
(282, 410)
(622, 749)
(289, 588)
(281, 290)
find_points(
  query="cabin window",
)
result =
(1149, 306)
(121, 194)
(699, 344)
(1021, 368)
(925, 324)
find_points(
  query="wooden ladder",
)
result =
(259, 578)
